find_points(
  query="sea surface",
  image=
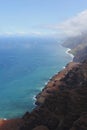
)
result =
(26, 64)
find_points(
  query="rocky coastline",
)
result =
(61, 105)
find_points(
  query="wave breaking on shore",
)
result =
(68, 52)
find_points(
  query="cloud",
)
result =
(21, 33)
(36, 33)
(72, 27)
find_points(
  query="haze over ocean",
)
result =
(26, 64)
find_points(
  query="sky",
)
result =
(41, 17)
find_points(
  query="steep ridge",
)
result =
(62, 104)
(63, 101)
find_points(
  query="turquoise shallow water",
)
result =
(26, 64)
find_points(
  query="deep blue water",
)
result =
(25, 65)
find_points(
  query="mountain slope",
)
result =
(62, 104)
(78, 47)
(65, 101)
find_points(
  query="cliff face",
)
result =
(62, 103)
(78, 45)
(81, 55)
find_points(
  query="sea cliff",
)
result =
(63, 101)
(62, 104)
(78, 46)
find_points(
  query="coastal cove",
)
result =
(25, 70)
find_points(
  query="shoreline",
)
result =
(68, 52)
(63, 69)
(48, 81)
(49, 88)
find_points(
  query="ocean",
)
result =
(26, 64)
